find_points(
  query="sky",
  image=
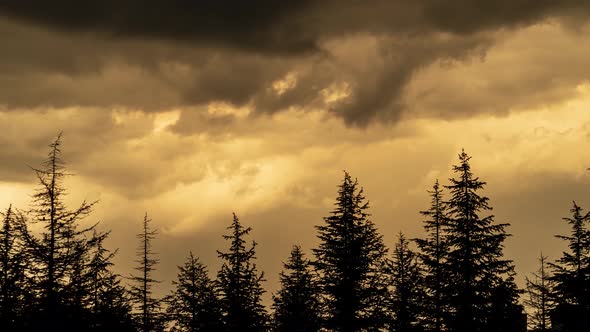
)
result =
(192, 110)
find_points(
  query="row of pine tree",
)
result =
(56, 274)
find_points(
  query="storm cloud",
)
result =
(290, 26)
(352, 59)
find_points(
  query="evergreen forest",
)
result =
(56, 274)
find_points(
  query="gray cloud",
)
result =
(536, 67)
(262, 24)
(134, 55)
(290, 26)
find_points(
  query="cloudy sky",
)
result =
(190, 110)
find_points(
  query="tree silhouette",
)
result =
(572, 273)
(296, 304)
(109, 302)
(540, 297)
(478, 272)
(351, 259)
(571, 276)
(57, 275)
(408, 288)
(194, 305)
(240, 284)
(141, 291)
(58, 255)
(433, 255)
(14, 295)
(505, 312)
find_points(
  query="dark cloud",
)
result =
(465, 17)
(278, 26)
(260, 24)
(160, 55)
(46, 69)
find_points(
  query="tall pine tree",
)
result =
(240, 283)
(14, 295)
(539, 299)
(108, 302)
(147, 305)
(351, 260)
(193, 305)
(408, 288)
(58, 255)
(296, 304)
(482, 294)
(572, 273)
(433, 256)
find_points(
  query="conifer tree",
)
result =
(193, 305)
(296, 305)
(572, 281)
(351, 261)
(240, 284)
(477, 269)
(77, 294)
(108, 303)
(148, 306)
(58, 254)
(504, 311)
(433, 255)
(112, 309)
(13, 286)
(540, 297)
(408, 288)
(572, 273)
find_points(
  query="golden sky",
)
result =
(260, 114)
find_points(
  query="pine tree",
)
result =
(475, 261)
(77, 294)
(351, 260)
(408, 288)
(572, 282)
(505, 314)
(572, 273)
(296, 304)
(433, 255)
(240, 284)
(13, 286)
(540, 297)
(194, 305)
(148, 307)
(108, 303)
(58, 255)
(112, 310)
